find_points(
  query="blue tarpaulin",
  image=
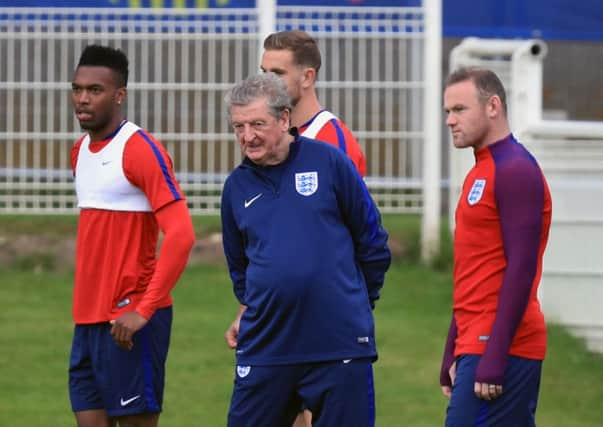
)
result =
(200, 3)
(546, 19)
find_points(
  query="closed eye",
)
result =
(456, 109)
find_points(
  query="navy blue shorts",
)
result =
(516, 407)
(102, 375)
(338, 394)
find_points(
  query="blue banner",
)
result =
(199, 3)
(129, 3)
(546, 19)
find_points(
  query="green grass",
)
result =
(412, 319)
(404, 226)
(49, 225)
(62, 225)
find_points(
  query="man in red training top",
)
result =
(122, 309)
(295, 57)
(492, 361)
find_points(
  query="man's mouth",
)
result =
(83, 116)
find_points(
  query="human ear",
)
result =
(309, 75)
(286, 119)
(494, 106)
(120, 95)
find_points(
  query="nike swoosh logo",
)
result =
(106, 163)
(250, 201)
(128, 401)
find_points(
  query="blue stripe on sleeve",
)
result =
(162, 164)
(340, 136)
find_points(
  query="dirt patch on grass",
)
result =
(44, 252)
(37, 252)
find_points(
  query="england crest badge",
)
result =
(476, 192)
(243, 371)
(306, 183)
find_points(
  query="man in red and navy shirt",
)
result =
(127, 194)
(492, 362)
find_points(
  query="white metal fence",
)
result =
(181, 62)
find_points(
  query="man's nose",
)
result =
(83, 97)
(248, 133)
(450, 120)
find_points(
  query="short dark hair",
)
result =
(105, 56)
(485, 80)
(301, 44)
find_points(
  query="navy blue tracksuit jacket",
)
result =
(307, 255)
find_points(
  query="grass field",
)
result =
(412, 317)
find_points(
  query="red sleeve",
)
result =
(148, 166)
(354, 151)
(336, 133)
(175, 222)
